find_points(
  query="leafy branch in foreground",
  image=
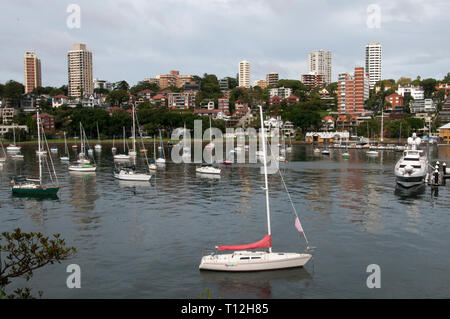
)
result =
(22, 253)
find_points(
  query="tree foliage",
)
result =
(23, 253)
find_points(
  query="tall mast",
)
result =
(210, 137)
(123, 127)
(65, 144)
(265, 173)
(98, 134)
(134, 133)
(38, 122)
(381, 139)
(81, 140)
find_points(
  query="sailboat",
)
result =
(186, 148)
(210, 146)
(161, 159)
(152, 166)
(65, 158)
(289, 148)
(129, 173)
(122, 156)
(21, 185)
(83, 164)
(98, 146)
(133, 152)
(346, 154)
(113, 148)
(244, 260)
(13, 147)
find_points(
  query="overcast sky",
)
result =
(136, 39)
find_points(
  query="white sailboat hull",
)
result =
(130, 176)
(121, 157)
(253, 261)
(13, 148)
(82, 168)
(208, 170)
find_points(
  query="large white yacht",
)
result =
(412, 168)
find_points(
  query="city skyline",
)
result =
(126, 46)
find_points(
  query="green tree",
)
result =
(23, 253)
(117, 97)
(121, 85)
(429, 87)
(13, 91)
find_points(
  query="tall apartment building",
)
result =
(319, 62)
(79, 62)
(244, 74)
(373, 62)
(353, 91)
(313, 79)
(32, 68)
(272, 78)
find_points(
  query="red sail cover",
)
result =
(263, 243)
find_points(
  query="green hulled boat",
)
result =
(21, 185)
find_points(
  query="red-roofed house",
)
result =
(275, 100)
(328, 122)
(292, 99)
(159, 98)
(145, 94)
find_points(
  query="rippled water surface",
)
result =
(145, 240)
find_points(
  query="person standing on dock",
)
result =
(436, 176)
(444, 168)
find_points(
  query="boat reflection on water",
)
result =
(410, 192)
(134, 184)
(36, 197)
(254, 284)
(208, 176)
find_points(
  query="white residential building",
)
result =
(320, 63)
(282, 92)
(244, 74)
(416, 92)
(373, 62)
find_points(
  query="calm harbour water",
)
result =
(145, 240)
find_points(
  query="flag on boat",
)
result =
(298, 225)
(263, 243)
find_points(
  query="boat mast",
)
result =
(65, 144)
(381, 135)
(134, 132)
(81, 140)
(123, 127)
(38, 122)
(265, 173)
(98, 134)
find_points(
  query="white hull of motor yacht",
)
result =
(410, 181)
(253, 261)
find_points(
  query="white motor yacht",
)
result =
(412, 167)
